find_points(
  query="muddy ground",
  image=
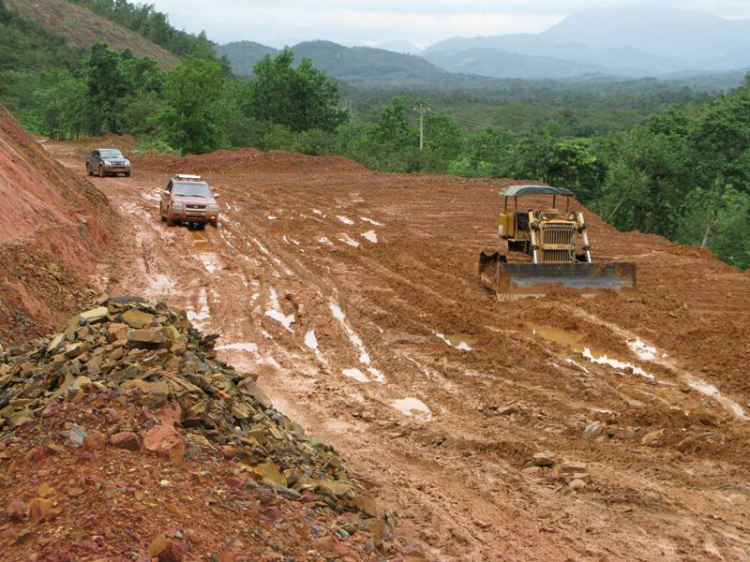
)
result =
(354, 294)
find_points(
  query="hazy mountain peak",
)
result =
(681, 34)
(404, 47)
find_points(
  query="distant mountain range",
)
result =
(366, 67)
(626, 42)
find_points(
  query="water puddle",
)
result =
(345, 220)
(412, 407)
(458, 341)
(562, 337)
(311, 340)
(710, 390)
(200, 319)
(160, 284)
(200, 242)
(377, 374)
(356, 341)
(643, 351)
(349, 241)
(248, 347)
(572, 340)
(275, 312)
(371, 221)
(370, 236)
(355, 374)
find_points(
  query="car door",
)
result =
(92, 159)
(166, 197)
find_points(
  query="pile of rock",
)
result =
(571, 475)
(143, 348)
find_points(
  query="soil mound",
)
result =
(132, 390)
(247, 160)
(53, 228)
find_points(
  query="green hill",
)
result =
(81, 27)
(506, 64)
(364, 67)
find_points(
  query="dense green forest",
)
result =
(662, 160)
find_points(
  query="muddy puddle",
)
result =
(200, 242)
(572, 340)
(460, 341)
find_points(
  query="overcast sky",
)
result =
(422, 22)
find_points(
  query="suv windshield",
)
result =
(193, 190)
(110, 154)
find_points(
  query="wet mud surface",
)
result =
(355, 297)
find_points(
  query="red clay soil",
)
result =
(52, 234)
(249, 160)
(62, 502)
(559, 428)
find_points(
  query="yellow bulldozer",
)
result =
(555, 242)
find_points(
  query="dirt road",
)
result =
(354, 295)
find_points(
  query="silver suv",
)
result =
(189, 199)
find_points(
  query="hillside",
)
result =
(81, 27)
(500, 63)
(363, 67)
(53, 234)
(572, 55)
(244, 55)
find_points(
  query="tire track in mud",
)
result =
(460, 483)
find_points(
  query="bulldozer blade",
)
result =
(537, 279)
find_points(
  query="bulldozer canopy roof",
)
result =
(521, 190)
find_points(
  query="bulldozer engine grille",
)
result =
(558, 235)
(556, 256)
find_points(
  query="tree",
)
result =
(393, 128)
(107, 86)
(442, 136)
(194, 95)
(62, 105)
(299, 98)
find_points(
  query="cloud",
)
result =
(371, 21)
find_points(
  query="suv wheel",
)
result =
(170, 220)
(88, 170)
(101, 171)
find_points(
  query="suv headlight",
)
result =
(177, 206)
(213, 208)
(106, 162)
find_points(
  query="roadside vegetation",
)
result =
(666, 161)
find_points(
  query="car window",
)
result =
(95, 154)
(111, 154)
(169, 187)
(193, 190)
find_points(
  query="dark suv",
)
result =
(107, 162)
(188, 199)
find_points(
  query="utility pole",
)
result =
(422, 110)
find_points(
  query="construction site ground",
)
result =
(355, 296)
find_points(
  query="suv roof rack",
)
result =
(188, 177)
